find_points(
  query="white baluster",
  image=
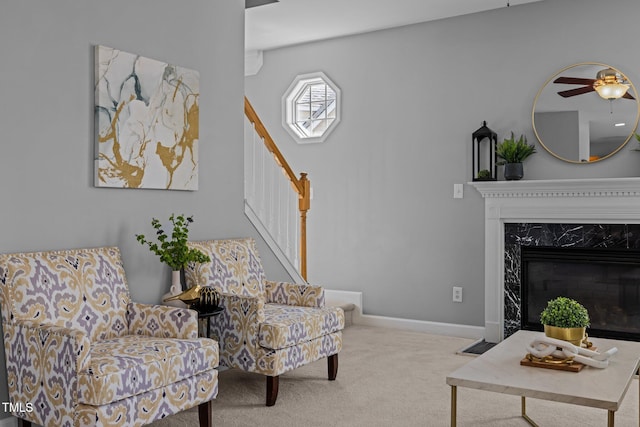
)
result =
(249, 163)
(287, 219)
(261, 188)
(271, 195)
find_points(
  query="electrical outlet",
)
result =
(457, 294)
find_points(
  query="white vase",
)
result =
(176, 288)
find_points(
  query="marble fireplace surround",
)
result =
(566, 201)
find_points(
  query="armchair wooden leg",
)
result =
(332, 364)
(204, 414)
(23, 423)
(272, 390)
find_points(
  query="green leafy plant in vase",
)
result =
(565, 319)
(513, 152)
(173, 250)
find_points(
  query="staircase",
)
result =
(276, 201)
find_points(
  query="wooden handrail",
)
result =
(301, 185)
(271, 145)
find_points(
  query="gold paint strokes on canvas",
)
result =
(118, 167)
(173, 157)
(147, 122)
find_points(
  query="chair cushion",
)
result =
(285, 325)
(130, 365)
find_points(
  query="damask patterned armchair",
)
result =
(80, 353)
(266, 327)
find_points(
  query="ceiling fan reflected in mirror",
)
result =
(610, 84)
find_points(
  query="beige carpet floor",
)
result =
(392, 378)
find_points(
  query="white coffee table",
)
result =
(499, 370)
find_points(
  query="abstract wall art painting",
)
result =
(147, 122)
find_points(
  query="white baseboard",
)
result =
(451, 329)
(9, 422)
(333, 297)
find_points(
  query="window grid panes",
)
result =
(311, 107)
(315, 108)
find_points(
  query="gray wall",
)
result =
(46, 118)
(561, 127)
(383, 219)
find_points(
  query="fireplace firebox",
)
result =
(605, 280)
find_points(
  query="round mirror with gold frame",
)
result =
(585, 112)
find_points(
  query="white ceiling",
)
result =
(290, 22)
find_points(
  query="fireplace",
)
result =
(605, 280)
(579, 254)
(582, 211)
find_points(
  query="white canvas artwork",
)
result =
(147, 120)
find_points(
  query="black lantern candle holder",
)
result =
(484, 161)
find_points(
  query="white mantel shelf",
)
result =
(592, 187)
(568, 201)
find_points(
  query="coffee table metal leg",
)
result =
(523, 404)
(453, 405)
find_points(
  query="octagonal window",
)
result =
(311, 108)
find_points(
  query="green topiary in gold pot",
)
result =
(565, 319)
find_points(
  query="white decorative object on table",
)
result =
(176, 288)
(544, 346)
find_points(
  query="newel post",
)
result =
(304, 204)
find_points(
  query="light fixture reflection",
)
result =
(610, 84)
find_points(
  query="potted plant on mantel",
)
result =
(513, 152)
(484, 175)
(174, 252)
(565, 319)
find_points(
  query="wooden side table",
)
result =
(207, 317)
